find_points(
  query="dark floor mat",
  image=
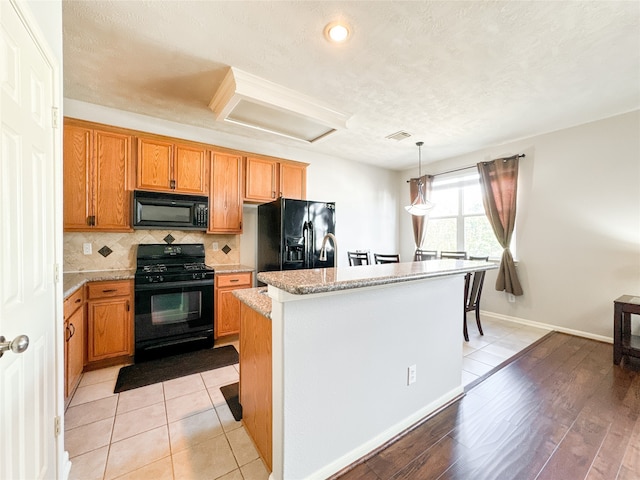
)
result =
(231, 395)
(168, 368)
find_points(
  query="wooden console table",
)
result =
(625, 344)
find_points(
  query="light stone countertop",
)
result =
(320, 280)
(234, 268)
(72, 281)
(255, 298)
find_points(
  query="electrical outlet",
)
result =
(86, 248)
(214, 246)
(511, 297)
(411, 375)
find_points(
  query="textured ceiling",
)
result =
(457, 75)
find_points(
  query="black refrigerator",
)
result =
(290, 234)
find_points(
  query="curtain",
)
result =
(420, 223)
(499, 180)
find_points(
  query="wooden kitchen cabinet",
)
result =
(268, 179)
(167, 166)
(293, 180)
(225, 197)
(256, 380)
(96, 178)
(226, 305)
(74, 320)
(109, 320)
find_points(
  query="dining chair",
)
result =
(386, 257)
(457, 255)
(358, 258)
(422, 255)
(473, 282)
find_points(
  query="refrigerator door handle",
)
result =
(311, 246)
(305, 239)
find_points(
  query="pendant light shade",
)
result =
(420, 206)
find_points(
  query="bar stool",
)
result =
(472, 292)
(358, 258)
(386, 258)
(422, 255)
(456, 255)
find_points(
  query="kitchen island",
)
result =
(343, 344)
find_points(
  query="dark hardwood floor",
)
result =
(562, 410)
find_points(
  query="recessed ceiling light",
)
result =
(337, 32)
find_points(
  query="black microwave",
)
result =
(170, 211)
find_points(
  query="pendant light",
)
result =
(420, 205)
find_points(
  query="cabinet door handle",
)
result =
(78, 300)
(110, 290)
(234, 280)
(73, 331)
(128, 306)
(68, 334)
(172, 184)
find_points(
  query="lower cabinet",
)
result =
(74, 337)
(110, 320)
(226, 305)
(256, 380)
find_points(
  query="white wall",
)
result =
(577, 227)
(365, 196)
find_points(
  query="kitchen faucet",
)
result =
(323, 249)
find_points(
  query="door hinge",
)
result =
(56, 426)
(56, 273)
(54, 117)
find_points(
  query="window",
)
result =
(457, 221)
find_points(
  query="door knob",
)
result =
(17, 345)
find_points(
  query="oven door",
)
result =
(173, 313)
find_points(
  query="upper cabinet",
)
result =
(164, 165)
(268, 179)
(96, 178)
(293, 180)
(225, 198)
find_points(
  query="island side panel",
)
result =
(255, 379)
(341, 389)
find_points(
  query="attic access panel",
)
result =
(250, 101)
(272, 120)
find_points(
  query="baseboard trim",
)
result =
(380, 441)
(547, 326)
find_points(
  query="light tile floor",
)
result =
(183, 429)
(501, 341)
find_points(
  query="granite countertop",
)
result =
(72, 281)
(234, 268)
(320, 280)
(255, 298)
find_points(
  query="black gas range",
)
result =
(173, 300)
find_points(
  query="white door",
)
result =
(28, 395)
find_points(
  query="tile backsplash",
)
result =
(117, 251)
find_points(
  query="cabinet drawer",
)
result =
(233, 279)
(73, 302)
(109, 289)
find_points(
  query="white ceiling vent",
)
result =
(401, 135)
(253, 102)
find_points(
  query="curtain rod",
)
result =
(521, 155)
(473, 166)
